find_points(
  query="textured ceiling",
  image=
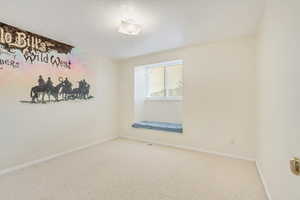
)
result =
(92, 24)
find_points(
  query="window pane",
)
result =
(156, 82)
(174, 82)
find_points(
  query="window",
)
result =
(165, 80)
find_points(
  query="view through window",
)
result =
(165, 80)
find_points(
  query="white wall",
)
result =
(30, 132)
(163, 111)
(279, 97)
(219, 106)
(139, 93)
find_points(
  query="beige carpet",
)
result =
(130, 170)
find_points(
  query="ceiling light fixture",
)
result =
(129, 27)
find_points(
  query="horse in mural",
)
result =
(85, 91)
(66, 93)
(54, 91)
(75, 93)
(36, 91)
(45, 90)
(82, 92)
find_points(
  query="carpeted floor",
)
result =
(130, 170)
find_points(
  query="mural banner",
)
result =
(38, 69)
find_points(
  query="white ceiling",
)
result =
(92, 24)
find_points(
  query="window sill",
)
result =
(159, 126)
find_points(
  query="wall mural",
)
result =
(40, 69)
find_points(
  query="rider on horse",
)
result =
(41, 81)
(84, 83)
(49, 84)
(67, 84)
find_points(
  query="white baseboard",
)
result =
(35, 162)
(263, 180)
(191, 149)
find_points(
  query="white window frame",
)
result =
(165, 65)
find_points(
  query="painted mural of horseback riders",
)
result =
(63, 91)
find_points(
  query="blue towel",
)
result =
(162, 126)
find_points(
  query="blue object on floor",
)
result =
(162, 126)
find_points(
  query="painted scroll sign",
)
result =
(36, 69)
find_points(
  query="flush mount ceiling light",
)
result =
(129, 27)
